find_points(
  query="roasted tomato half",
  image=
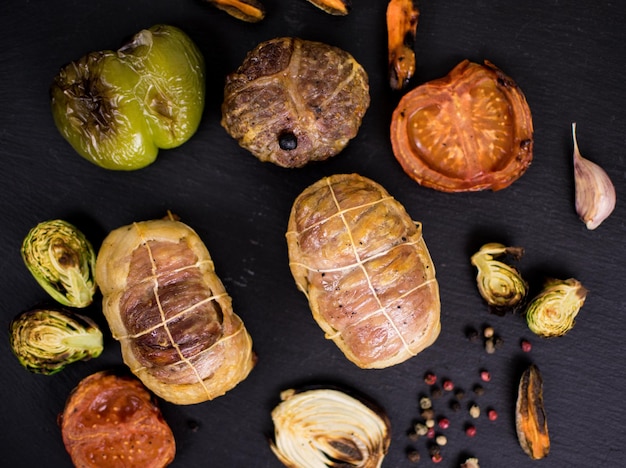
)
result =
(113, 421)
(470, 130)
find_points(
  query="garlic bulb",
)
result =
(595, 193)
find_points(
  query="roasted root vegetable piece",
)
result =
(365, 269)
(530, 416)
(324, 427)
(63, 262)
(402, 20)
(45, 340)
(112, 421)
(118, 108)
(470, 130)
(251, 11)
(168, 308)
(333, 7)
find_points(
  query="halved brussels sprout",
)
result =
(553, 311)
(322, 428)
(45, 341)
(62, 261)
(500, 284)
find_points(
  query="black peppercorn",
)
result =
(413, 456)
(287, 141)
(471, 334)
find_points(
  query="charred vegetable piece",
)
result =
(530, 416)
(166, 305)
(117, 108)
(294, 101)
(333, 7)
(500, 284)
(45, 341)
(402, 20)
(365, 269)
(63, 262)
(251, 11)
(322, 428)
(112, 421)
(470, 130)
(552, 312)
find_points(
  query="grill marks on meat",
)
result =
(171, 316)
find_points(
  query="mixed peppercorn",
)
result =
(434, 424)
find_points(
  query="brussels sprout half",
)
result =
(45, 341)
(500, 284)
(552, 312)
(62, 261)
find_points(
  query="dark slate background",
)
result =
(569, 58)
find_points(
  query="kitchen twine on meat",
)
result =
(359, 263)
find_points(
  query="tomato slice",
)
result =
(470, 130)
(113, 421)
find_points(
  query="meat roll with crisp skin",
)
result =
(365, 269)
(169, 310)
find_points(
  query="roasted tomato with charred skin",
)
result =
(470, 130)
(112, 420)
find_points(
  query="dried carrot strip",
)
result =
(251, 11)
(402, 19)
(334, 7)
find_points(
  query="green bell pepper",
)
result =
(118, 108)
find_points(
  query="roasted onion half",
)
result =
(328, 428)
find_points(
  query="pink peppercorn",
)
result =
(526, 346)
(448, 385)
(444, 423)
(430, 378)
(431, 433)
(436, 458)
(492, 415)
(485, 376)
(470, 431)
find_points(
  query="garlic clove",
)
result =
(595, 193)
